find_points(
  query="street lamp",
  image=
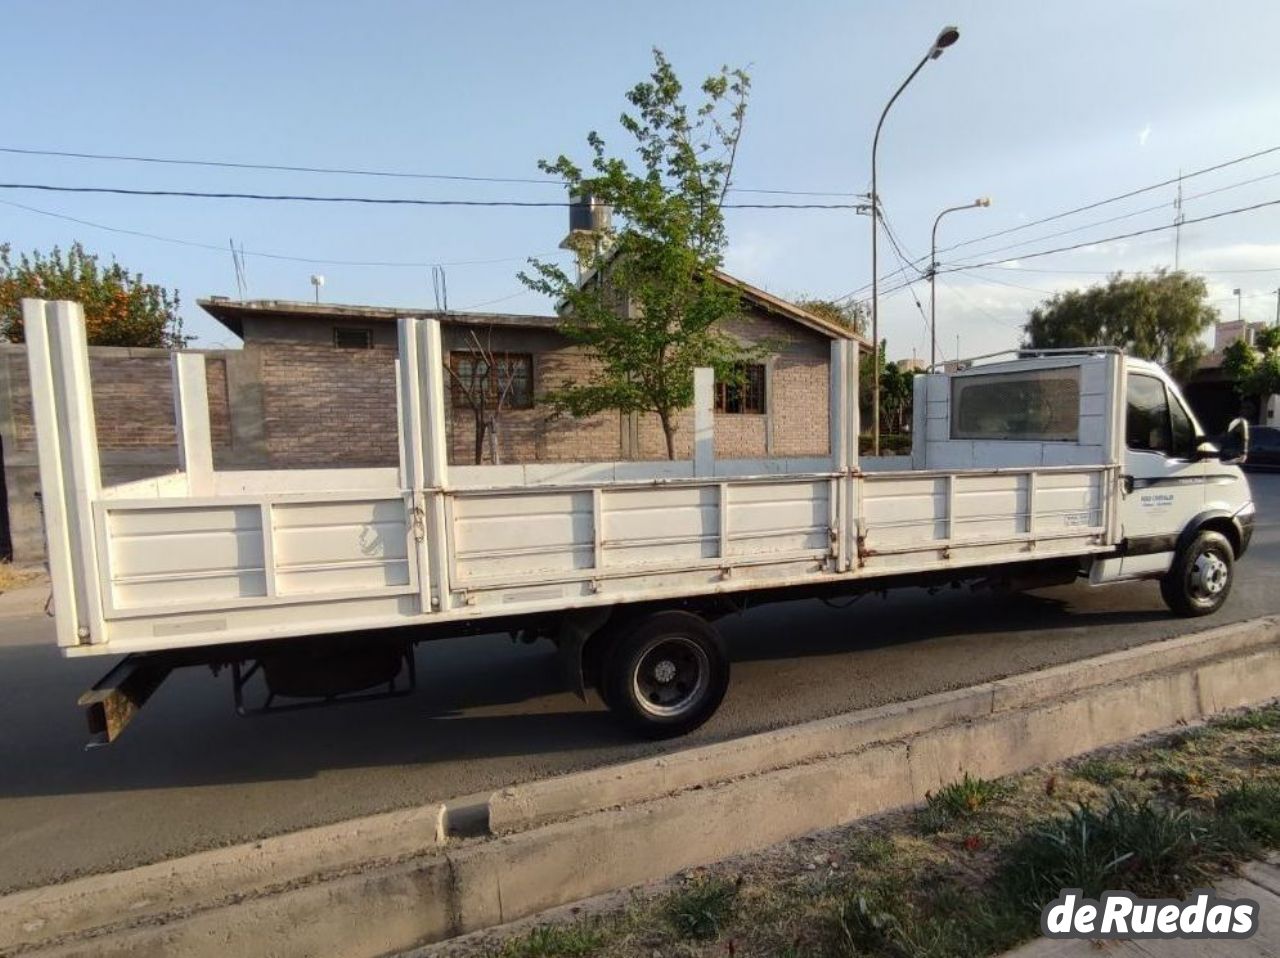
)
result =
(945, 38)
(983, 202)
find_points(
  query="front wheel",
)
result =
(1201, 576)
(665, 674)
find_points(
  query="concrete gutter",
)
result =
(704, 805)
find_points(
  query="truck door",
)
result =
(1163, 482)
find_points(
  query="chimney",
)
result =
(590, 229)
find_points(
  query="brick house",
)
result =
(328, 384)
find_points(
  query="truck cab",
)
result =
(1185, 510)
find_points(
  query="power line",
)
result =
(1124, 216)
(1108, 272)
(347, 171)
(1109, 239)
(316, 261)
(1088, 206)
(1114, 199)
(376, 200)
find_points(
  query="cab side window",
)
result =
(1147, 424)
(1156, 421)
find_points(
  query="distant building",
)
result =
(912, 365)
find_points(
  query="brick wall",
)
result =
(132, 399)
(326, 407)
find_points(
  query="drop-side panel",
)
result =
(340, 546)
(179, 555)
(183, 554)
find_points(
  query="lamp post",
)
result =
(945, 38)
(983, 202)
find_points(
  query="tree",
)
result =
(896, 391)
(650, 310)
(1158, 317)
(1254, 370)
(851, 315)
(120, 309)
(485, 381)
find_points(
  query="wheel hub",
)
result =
(1209, 574)
(671, 676)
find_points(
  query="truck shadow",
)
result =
(483, 700)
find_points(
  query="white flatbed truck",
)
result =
(1042, 469)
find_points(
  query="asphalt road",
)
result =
(188, 774)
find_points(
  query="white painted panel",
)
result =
(207, 590)
(350, 578)
(172, 556)
(516, 534)
(660, 525)
(989, 507)
(902, 512)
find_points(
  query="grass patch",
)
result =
(702, 908)
(1101, 771)
(1254, 808)
(555, 941)
(11, 577)
(1151, 850)
(960, 800)
(1255, 720)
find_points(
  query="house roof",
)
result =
(232, 314)
(788, 310)
(763, 300)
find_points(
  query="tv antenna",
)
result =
(440, 286)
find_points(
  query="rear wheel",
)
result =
(1201, 576)
(665, 674)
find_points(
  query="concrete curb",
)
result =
(1043, 717)
(526, 806)
(197, 881)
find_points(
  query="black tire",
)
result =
(665, 674)
(1201, 576)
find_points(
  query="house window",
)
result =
(351, 337)
(1040, 405)
(747, 395)
(511, 380)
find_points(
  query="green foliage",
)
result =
(1158, 317)
(1254, 808)
(851, 315)
(650, 311)
(1254, 720)
(555, 941)
(964, 798)
(949, 923)
(1101, 771)
(896, 391)
(120, 309)
(701, 909)
(1254, 370)
(1148, 849)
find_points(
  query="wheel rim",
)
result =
(1209, 576)
(671, 676)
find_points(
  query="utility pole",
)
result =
(946, 37)
(1178, 218)
(1278, 307)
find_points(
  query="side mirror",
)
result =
(1235, 447)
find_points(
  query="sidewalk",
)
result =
(1259, 881)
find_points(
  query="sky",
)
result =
(1042, 106)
